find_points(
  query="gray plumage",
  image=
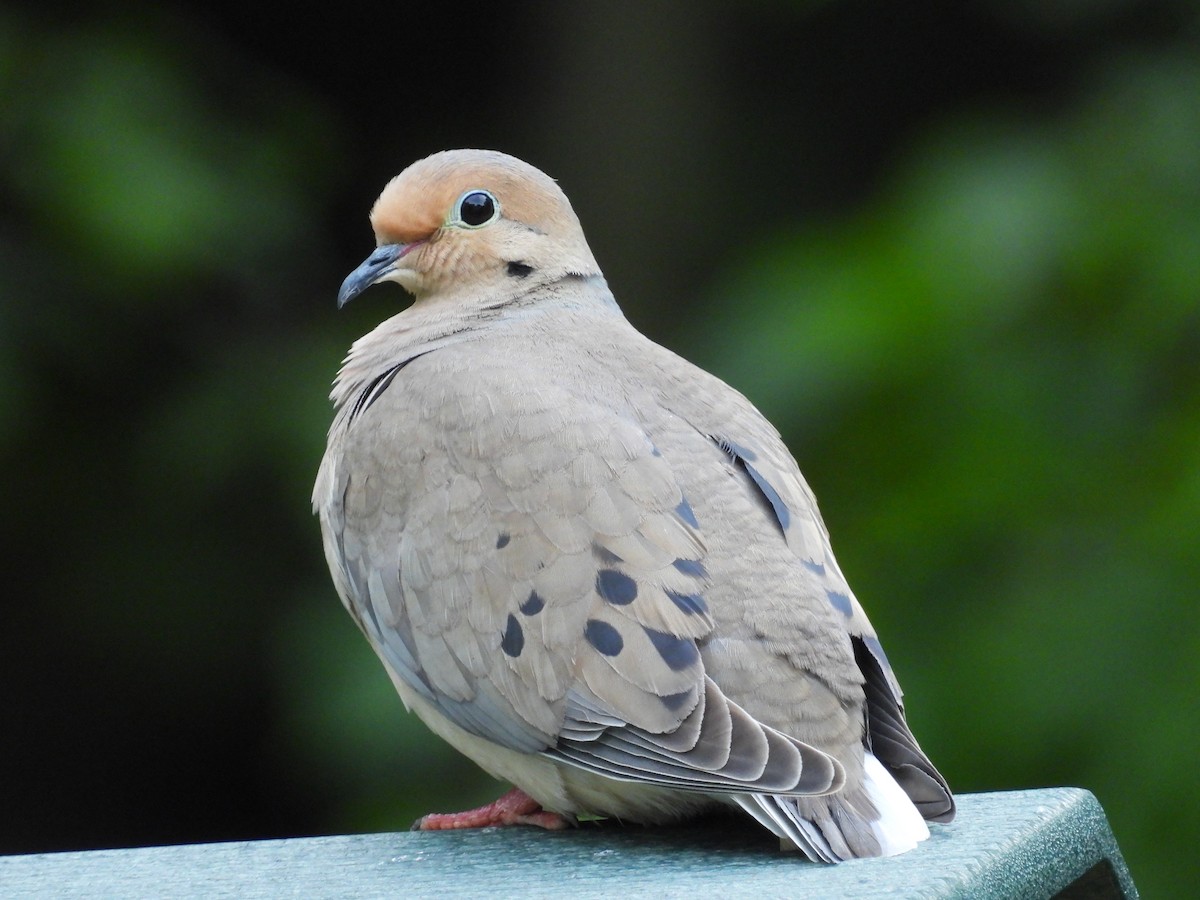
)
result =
(589, 565)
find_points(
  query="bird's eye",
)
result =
(476, 208)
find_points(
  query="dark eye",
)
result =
(476, 208)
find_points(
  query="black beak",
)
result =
(374, 267)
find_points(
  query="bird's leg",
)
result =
(514, 808)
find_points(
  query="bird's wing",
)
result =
(528, 562)
(756, 451)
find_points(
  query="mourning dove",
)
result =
(588, 565)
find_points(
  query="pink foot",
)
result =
(514, 808)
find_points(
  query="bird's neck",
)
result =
(443, 319)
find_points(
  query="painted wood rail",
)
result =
(1021, 844)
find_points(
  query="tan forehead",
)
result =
(419, 200)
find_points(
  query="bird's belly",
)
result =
(559, 787)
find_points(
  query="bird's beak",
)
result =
(380, 263)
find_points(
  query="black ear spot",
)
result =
(518, 269)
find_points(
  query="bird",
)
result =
(587, 564)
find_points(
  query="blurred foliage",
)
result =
(966, 288)
(993, 376)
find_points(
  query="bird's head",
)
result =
(473, 220)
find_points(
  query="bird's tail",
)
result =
(880, 820)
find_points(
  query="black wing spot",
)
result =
(840, 602)
(513, 641)
(603, 637)
(502, 540)
(677, 652)
(684, 511)
(616, 587)
(533, 604)
(743, 457)
(676, 702)
(692, 567)
(690, 604)
(782, 514)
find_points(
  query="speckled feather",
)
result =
(591, 566)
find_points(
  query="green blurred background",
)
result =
(951, 249)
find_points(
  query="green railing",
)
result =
(1021, 844)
